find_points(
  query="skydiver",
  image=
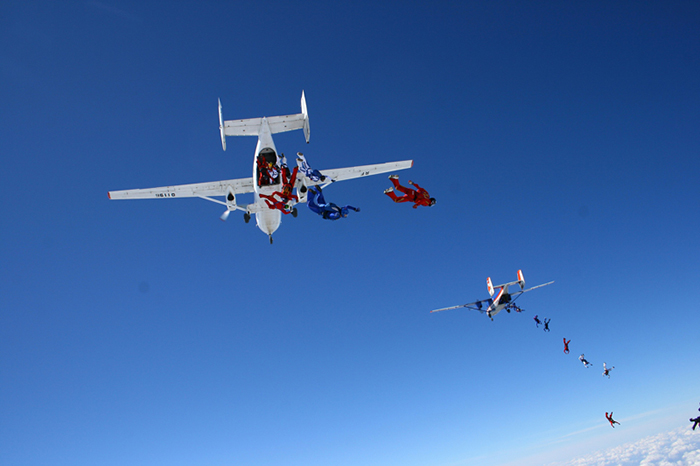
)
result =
(513, 307)
(583, 360)
(566, 346)
(606, 371)
(288, 185)
(696, 421)
(314, 175)
(282, 205)
(546, 324)
(537, 322)
(611, 420)
(418, 196)
(327, 210)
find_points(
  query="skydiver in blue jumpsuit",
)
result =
(327, 210)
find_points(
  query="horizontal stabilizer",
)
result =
(278, 124)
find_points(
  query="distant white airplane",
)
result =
(266, 155)
(502, 299)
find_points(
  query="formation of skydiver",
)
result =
(270, 170)
(586, 363)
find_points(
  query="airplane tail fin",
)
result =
(221, 127)
(305, 114)
(521, 280)
(278, 124)
(489, 285)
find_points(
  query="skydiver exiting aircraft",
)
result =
(566, 346)
(282, 205)
(418, 196)
(611, 420)
(583, 360)
(268, 171)
(606, 370)
(327, 210)
(546, 324)
(310, 173)
(513, 307)
(287, 186)
(537, 322)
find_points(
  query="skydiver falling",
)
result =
(546, 324)
(537, 322)
(419, 196)
(327, 210)
(611, 420)
(585, 363)
(566, 346)
(606, 371)
(314, 175)
(696, 421)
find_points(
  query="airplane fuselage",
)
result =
(500, 301)
(268, 220)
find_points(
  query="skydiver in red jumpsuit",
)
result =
(418, 196)
(566, 345)
(611, 420)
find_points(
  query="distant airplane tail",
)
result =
(278, 124)
(521, 280)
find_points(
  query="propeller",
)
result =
(225, 215)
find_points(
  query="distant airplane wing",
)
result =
(349, 173)
(213, 188)
(518, 293)
(475, 306)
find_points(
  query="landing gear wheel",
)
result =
(246, 217)
(294, 212)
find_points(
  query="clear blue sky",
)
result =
(562, 140)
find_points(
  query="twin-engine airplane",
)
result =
(266, 156)
(501, 301)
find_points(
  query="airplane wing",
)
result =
(349, 173)
(213, 188)
(518, 293)
(475, 306)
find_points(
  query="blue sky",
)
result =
(558, 139)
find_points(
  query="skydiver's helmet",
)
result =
(432, 201)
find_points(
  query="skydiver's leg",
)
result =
(408, 191)
(320, 200)
(396, 198)
(312, 201)
(293, 179)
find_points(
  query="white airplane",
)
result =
(503, 299)
(267, 219)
